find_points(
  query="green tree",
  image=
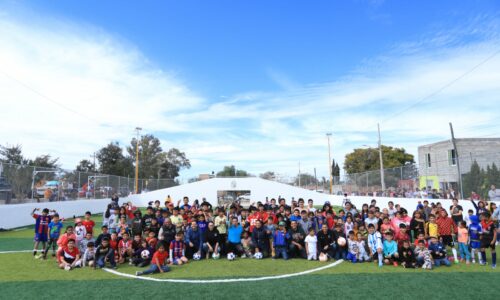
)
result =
(12, 155)
(45, 161)
(113, 162)
(363, 160)
(172, 162)
(230, 171)
(305, 179)
(85, 166)
(269, 175)
(474, 180)
(150, 155)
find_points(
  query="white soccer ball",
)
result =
(145, 254)
(258, 255)
(196, 256)
(231, 256)
(341, 241)
(216, 256)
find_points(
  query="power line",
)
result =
(47, 98)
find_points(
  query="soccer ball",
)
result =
(216, 256)
(258, 255)
(323, 257)
(231, 256)
(341, 241)
(196, 256)
(145, 254)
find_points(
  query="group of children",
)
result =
(175, 234)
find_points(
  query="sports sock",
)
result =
(380, 258)
(494, 258)
(34, 252)
(454, 253)
(483, 256)
(473, 254)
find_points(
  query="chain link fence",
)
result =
(22, 183)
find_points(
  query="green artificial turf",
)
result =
(23, 277)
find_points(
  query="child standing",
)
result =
(362, 256)
(463, 239)
(55, 227)
(311, 245)
(475, 234)
(375, 244)
(488, 238)
(245, 243)
(80, 231)
(41, 230)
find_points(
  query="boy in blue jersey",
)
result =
(438, 252)
(41, 230)
(390, 248)
(475, 235)
(281, 238)
(54, 231)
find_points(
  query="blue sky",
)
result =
(251, 83)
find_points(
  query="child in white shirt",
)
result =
(311, 245)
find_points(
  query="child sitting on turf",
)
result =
(390, 250)
(423, 255)
(311, 245)
(353, 248)
(375, 244)
(177, 251)
(89, 255)
(386, 225)
(362, 255)
(349, 225)
(245, 243)
(138, 259)
(104, 234)
(65, 237)
(158, 262)
(68, 257)
(152, 240)
(280, 241)
(402, 235)
(407, 256)
(421, 236)
(125, 248)
(463, 240)
(438, 252)
(104, 253)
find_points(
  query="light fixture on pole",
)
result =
(328, 135)
(138, 132)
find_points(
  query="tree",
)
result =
(363, 160)
(269, 175)
(230, 171)
(172, 162)
(150, 155)
(473, 181)
(335, 172)
(45, 161)
(113, 162)
(305, 179)
(85, 166)
(12, 155)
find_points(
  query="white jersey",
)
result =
(312, 243)
(375, 242)
(80, 233)
(353, 246)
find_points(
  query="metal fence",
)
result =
(22, 183)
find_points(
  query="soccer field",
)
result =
(23, 277)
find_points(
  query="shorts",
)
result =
(175, 261)
(475, 244)
(487, 244)
(447, 240)
(41, 237)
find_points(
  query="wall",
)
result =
(18, 215)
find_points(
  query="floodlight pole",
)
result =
(328, 135)
(382, 179)
(138, 131)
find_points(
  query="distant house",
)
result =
(438, 161)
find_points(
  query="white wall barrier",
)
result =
(18, 215)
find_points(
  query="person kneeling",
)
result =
(177, 251)
(438, 252)
(158, 263)
(69, 256)
(390, 250)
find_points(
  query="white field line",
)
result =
(15, 251)
(224, 280)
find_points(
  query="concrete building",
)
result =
(438, 166)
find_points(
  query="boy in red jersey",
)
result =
(41, 230)
(88, 223)
(68, 257)
(158, 263)
(125, 248)
(177, 250)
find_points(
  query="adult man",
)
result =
(297, 246)
(494, 194)
(310, 206)
(167, 232)
(211, 240)
(456, 211)
(446, 231)
(193, 240)
(326, 241)
(260, 239)
(234, 238)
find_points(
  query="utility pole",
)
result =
(315, 179)
(458, 161)
(299, 174)
(382, 179)
(95, 174)
(137, 131)
(328, 135)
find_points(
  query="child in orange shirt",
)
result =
(463, 240)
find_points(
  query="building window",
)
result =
(452, 157)
(428, 160)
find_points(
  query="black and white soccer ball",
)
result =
(258, 255)
(231, 256)
(145, 254)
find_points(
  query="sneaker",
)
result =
(473, 261)
(482, 263)
(468, 262)
(138, 273)
(395, 264)
(53, 255)
(243, 256)
(494, 266)
(39, 256)
(380, 265)
(456, 261)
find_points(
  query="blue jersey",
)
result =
(475, 232)
(55, 229)
(41, 223)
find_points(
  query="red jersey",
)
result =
(330, 222)
(159, 258)
(113, 244)
(67, 255)
(89, 226)
(445, 226)
(401, 237)
(123, 245)
(64, 238)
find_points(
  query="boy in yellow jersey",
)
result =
(431, 227)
